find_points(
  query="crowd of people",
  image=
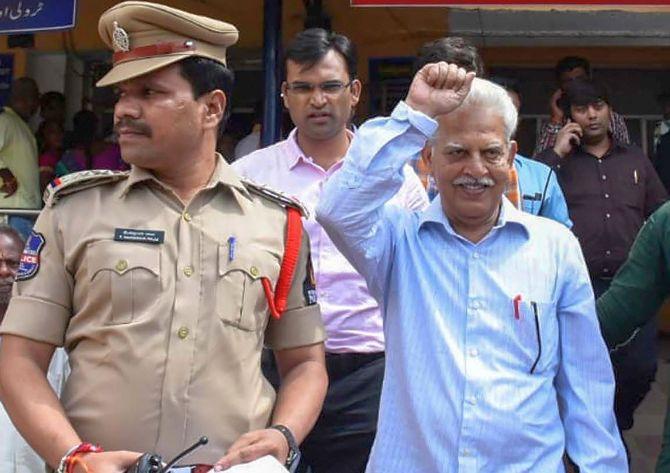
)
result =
(426, 300)
(30, 161)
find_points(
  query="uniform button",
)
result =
(254, 271)
(122, 265)
(188, 271)
(607, 215)
(182, 333)
(187, 216)
(604, 177)
(474, 352)
(607, 196)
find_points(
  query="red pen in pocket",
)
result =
(517, 303)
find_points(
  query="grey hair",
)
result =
(486, 94)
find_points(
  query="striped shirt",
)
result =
(494, 359)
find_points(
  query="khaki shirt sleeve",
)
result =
(300, 324)
(41, 302)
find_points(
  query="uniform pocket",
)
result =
(126, 274)
(241, 300)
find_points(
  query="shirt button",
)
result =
(254, 271)
(476, 305)
(606, 270)
(607, 196)
(604, 177)
(608, 252)
(122, 265)
(188, 271)
(183, 333)
(187, 216)
(600, 161)
(475, 255)
(607, 215)
(474, 352)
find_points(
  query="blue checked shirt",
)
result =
(474, 381)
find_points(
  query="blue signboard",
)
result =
(27, 16)
(6, 74)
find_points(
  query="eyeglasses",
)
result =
(330, 87)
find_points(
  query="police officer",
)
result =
(164, 283)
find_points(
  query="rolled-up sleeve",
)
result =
(353, 206)
(301, 323)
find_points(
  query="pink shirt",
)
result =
(351, 316)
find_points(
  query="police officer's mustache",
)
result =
(128, 125)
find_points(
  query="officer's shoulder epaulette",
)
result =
(78, 181)
(275, 196)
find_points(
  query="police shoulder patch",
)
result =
(275, 196)
(29, 264)
(78, 181)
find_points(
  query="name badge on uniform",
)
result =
(153, 237)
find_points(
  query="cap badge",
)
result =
(120, 38)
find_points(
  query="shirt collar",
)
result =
(223, 174)
(296, 154)
(508, 215)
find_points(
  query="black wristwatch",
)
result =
(293, 450)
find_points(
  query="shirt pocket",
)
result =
(535, 332)
(630, 188)
(126, 274)
(241, 301)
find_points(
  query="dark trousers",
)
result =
(342, 437)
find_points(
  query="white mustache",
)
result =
(472, 181)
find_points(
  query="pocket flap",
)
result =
(255, 264)
(122, 257)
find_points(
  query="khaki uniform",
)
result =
(164, 330)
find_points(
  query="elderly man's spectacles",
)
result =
(330, 87)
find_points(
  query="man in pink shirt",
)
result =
(320, 93)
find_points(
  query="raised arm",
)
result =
(352, 208)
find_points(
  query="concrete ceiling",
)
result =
(491, 27)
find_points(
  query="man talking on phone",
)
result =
(610, 188)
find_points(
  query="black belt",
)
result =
(341, 364)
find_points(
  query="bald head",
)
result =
(24, 98)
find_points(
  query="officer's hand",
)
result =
(439, 88)
(9, 182)
(556, 111)
(107, 462)
(253, 445)
(569, 136)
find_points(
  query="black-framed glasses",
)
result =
(329, 87)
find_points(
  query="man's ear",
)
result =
(356, 88)
(513, 148)
(215, 108)
(284, 88)
(427, 157)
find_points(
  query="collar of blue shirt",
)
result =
(509, 215)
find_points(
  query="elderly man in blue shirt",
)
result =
(494, 358)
